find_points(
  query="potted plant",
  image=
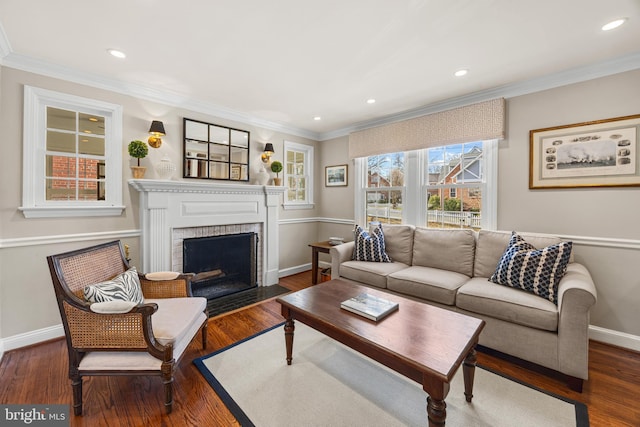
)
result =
(276, 167)
(138, 150)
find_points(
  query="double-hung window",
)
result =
(384, 188)
(451, 186)
(455, 186)
(298, 175)
(72, 163)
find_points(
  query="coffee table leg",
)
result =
(469, 370)
(436, 406)
(289, 327)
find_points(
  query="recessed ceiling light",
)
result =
(316, 118)
(371, 101)
(613, 24)
(461, 73)
(93, 119)
(117, 53)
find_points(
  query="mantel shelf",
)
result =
(168, 186)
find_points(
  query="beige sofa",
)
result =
(450, 269)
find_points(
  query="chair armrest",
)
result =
(340, 254)
(130, 331)
(576, 295)
(176, 288)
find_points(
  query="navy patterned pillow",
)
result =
(370, 246)
(123, 287)
(534, 270)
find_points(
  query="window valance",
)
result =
(476, 122)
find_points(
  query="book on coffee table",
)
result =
(369, 306)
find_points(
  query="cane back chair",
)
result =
(146, 339)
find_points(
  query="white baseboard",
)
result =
(301, 268)
(32, 337)
(596, 333)
(609, 336)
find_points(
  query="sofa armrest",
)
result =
(576, 295)
(340, 254)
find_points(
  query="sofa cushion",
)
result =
(492, 244)
(398, 242)
(123, 287)
(371, 273)
(533, 270)
(369, 246)
(431, 284)
(480, 296)
(451, 250)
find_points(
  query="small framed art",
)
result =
(601, 153)
(335, 176)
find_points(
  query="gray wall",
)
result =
(27, 301)
(603, 221)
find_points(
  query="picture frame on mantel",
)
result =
(602, 153)
(336, 176)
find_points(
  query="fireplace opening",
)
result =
(222, 265)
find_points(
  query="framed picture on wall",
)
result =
(602, 153)
(335, 176)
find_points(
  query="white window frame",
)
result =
(415, 196)
(309, 174)
(34, 203)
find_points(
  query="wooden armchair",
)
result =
(123, 338)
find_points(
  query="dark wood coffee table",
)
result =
(422, 342)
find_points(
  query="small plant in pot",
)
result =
(276, 167)
(138, 150)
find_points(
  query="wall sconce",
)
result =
(156, 130)
(267, 153)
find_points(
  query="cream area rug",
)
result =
(329, 384)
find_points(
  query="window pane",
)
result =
(90, 124)
(299, 157)
(463, 211)
(91, 145)
(60, 189)
(384, 206)
(61, 167)
(385, 170)
(61, 142)
(88, 190)
(291, 156)
(61, 119)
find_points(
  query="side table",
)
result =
(316, 248)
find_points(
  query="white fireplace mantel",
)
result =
(165, 205)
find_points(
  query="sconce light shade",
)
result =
(156, 130)
(268, 151)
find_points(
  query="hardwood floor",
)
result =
(38, 375)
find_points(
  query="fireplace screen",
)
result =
(222, 264)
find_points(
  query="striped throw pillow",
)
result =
(369, 246)
(534, 270)
(123, 287)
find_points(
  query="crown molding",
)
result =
(49, 69)
(5, 46)
(574, 75)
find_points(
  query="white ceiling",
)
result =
(279, 63)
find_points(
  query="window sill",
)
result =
(70, 211)
(297, 206)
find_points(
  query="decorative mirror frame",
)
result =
(212, 151)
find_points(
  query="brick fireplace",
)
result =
(171, 211)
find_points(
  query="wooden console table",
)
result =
(316, 248)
